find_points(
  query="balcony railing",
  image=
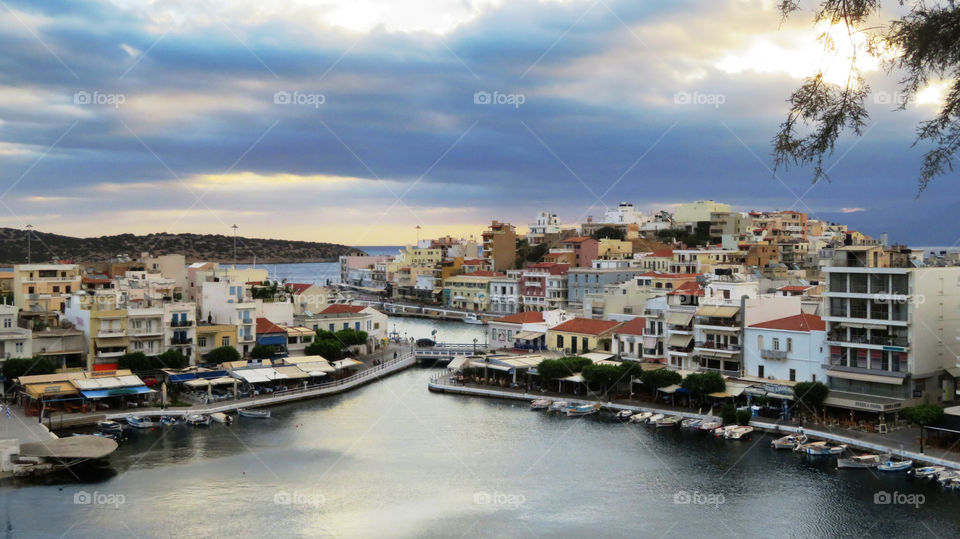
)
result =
(879, 340)
(773, 354)
(652, 332)
(177, 341)
(111, 333)
(181, 323)
(713, 345)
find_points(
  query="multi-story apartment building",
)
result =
(470, 291)
(682, 303)
(791, 349)
(226, 302)
(891, 329)
(505, 293)
(145, 329)
(40, 290)
(583, 281)
(14, 340)
(180, 328)
(103, 319)
(500, 245)
(546, 225)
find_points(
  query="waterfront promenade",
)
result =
(902, 443)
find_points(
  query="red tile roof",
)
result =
(528, 317)
(342, 308)
(633, 327)
(265, 326)
(799, 322)
(586, 326)
(689, 288)
(795, 288)
(663, 253)
(577, 239)
(298, 288)
(659, 275)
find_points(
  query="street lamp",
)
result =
(474, 346)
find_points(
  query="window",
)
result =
(19, 347)
(760, 371)
(793, 375)
(789, 344)
(559, 341)
(8, 322)
(356, 326)
(760, 342)
(69, 289)
(224, 341)
(202, 342)
(776, 343)
(346, 325)
(332, 328)
(813, 377)
(56, 288)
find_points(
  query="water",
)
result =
(393, 460)
(317, 272)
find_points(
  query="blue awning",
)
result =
(182, 377)
(118, 392)
(212, 374)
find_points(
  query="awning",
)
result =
(118, 392)
(482, 364)
(293, 372)
(718, 311)
(50, 390)
(182, 377)
(457, 362)
(597, 357)
(863, 377)
(857, 401)
(953, 371)
(345, 363)
(575, 378)
(679, 319)
(669, 389)
(732, 390)
(649, 342)
(681, 341)
(252, 376)
(528, 335)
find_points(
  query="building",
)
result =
(270, 334)
(628, 339)
(64, 346)
(505, 293)
(583, 281)
(40, 290)
(308, 298)
(546, 225)
(343, 316)
(585, 250)
(582, 335)
(698, 211)
(470, 291)
(227, 302)
(543, 286)
(791, 348)
(503, 331)
(14, 341)
(145, 329)
(212, 336)
(500, 245)
(180, 328)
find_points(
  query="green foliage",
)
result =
(223, 354)
(25, 366)
(700, 236)
(660, 378)
(743, 417)
(262, 351)
(554, 369)
(702, 384)
(810, 395)
(728, 413)
(605, 375)
(330, 349)
(140, 362)
(136, 362)
(173, 359)
(610, 232)
(924, 414)
(351, 337)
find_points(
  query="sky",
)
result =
(355, 121)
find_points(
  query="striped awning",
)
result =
(679, 319)
(681, 341)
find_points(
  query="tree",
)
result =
(135, 361)
(171, 359)
(327, 348)
(262, 351)
(352, 337)
(557, 369)
(728, 413)
(924, 414)
(810, 395)
(223, 354)
(743, 417)
(605, 375)
(920, 44)
(703, 384)
(610, 232)
(25, 366)
(658, 378)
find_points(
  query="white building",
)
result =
(14, 341)
(505, 293)
(180, 327)
(145, 329)
(546, 223)
(624, 214)
(791, 348)
(225, 302)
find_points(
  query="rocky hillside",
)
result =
(210, 247)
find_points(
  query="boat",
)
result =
(472, 319)
(652, 420)
(140, 422)
(109, 426)
(928, 472)
(789, 442)
(837, 449)
(539, 404)
(709, 424)
(641, 417)
(721, 432)
(690, 423)
(669, 421)
(582, 410)
(558, 406)
(802, 448)
(737, 432)
(169, 420)
(859, 461)
(624, 415)
(265, 414)
(947, 476)
(895, 465)
(198, 420)
(221, 417)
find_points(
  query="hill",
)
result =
(208, 247)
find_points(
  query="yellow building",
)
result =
(210, 336)
(581, 335)
(612, 249)
(42, 288)
(470, 292)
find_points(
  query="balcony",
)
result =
(111, 353)
(107, 333)
(181, 323)
(773, 354)
(181, 341)
(652, 332)
(144, 333)
(876, 340)
(714, 346)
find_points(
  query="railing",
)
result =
(879, 341)
(111, 333)
(773, 354)
(713, 345)
(181, 323)
(176, 341)
(652, 332)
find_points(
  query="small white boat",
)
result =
(946, 476)
(472, 319)
(721, 432)
(690, 423)
(895, 465)
(558, 406)
(928, 472)
(140, 422)
(539, 404)
(198, 420)
(652, 420)
(837, 449)
(641, 417)
(710, 424)
(789, 442)
(624, 415)
(221, 417)
(859, 461)
(109, 426)
(169, 420)
(821, 449)
(582, 410)
(256, 414)
(669, 421)
(737, 432)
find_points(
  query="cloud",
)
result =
(852, 210)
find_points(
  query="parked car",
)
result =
(425, 343)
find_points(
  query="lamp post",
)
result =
(234, 227)
(474, 346)
(29, 233)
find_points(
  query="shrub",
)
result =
(223, 354)
(728, 412)
(262, 351)
(26, 366)
(924, 414)
(743, 417)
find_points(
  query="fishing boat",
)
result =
(928, 472)
(652, 420)
(140, 422)
(582, 410)
(624, 415)
(264, 414)
(539, 404)
(821, 448)
(859, 461)
(721, 432)
(802, 448)
(946, 476)
(789, 442)
(109, 426)
(559, 406)
(710, 424)
(669, 421)
(221, 417)
(641, 417)
(690, 423)
(737, 432)
(837, 449)
(198, 420)
(895, 465)
(169, 420)
(472, 319)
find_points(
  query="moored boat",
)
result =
(140, 422)
(109, 426)
(559, 406)
(928, 472)
(710, 424)
(669, 421)
(624, 415)
(539, 404)
(221, 417)
(472, 319)
(821, 448)
(169, 420)
(859, 461)
(946, 476)
(690, 423)
(652, 420)
(582, 410)
(641, 417)
(198, 420)
(895, 465)
(256, 414)
(737, 432)
(789, 442)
